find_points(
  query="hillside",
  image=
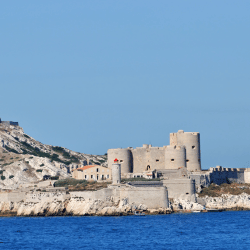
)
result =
(24, 160)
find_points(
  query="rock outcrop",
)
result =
(228, 202)
(74, 206)
(24, 160)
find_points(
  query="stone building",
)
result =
(94, 173)
(9, 123)
(183, 152)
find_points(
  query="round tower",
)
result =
(191, 141)
(116, 173)
(175, 157)
(124, 157)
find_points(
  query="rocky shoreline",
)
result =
(90, 207)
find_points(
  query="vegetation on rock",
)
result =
(217, 190)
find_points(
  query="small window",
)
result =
(121, 160)
(193, 147)
(97, 170)
(156, 160)
(107, 176)
(172, 159)
(187, 193)
(85, 176)
(91, 176)
(187, 160)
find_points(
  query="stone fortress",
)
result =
(183, 152)
(177, 164)
(177, 167)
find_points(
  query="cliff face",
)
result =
(228, 201)
(74, 206)
(25, 160)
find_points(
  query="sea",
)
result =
(218, 230)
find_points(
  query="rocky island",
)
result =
(37, 179)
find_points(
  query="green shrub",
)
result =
(66, 155)
(54, 177)
(69, 182)
(11, 176)
(58, 149)
(26, 136)
(39, 170)
(1, 171)
(42, 165)
(11, 150)
(2, 177)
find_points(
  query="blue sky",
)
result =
(94, 75)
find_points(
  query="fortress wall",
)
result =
(222, 175)
(247, 175)
(173, 139)
(83, 194)
(175, 157)
(181, 189)
(124, 156)
(170, 173)
(12, 196)
(141, 159)
(152, 197)
(46, 196)
(191, 141)
(156, 158)
(104, 193)
(17, 196)
(201, 179)
(4, 197)
(148, 158)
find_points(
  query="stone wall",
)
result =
(181, 189)
(152, 197)
(12, 196)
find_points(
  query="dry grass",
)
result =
(217, 190)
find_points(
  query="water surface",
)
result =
(226, 230)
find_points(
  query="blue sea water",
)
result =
(225, 230)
